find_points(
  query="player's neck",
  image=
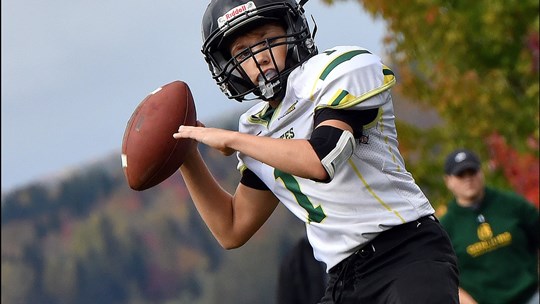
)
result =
(274, 103)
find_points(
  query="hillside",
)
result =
(89, 238)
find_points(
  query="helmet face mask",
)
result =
(225, 20)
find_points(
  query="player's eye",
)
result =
(242, 55)
(265, 43)
(261, 46)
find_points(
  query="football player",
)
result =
(321, 139)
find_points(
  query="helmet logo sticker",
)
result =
(235, 12)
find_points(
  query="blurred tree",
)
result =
(17, 281)
(477, 64)
(60, 278)
(522, 173)
(102, 263)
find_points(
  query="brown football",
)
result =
(150, 154)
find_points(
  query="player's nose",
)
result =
(262, 55)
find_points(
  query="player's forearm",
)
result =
(213, 203)
(294, 156)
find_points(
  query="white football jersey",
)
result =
(372, 191)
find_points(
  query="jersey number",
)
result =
(315, 214)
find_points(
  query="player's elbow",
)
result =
(318, 173)
(230, 246)
(230, 243)
(230, 240)
(332, 147)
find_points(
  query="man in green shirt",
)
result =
(495, 235)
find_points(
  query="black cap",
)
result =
(460, 160)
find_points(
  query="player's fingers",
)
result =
(186, 129)
(183, 132)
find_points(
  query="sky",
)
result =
(74, 71)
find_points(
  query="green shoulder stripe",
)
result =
(343, 99)
(339, 60)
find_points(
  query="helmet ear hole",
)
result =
(225, 20)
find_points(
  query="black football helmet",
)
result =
(225, 19)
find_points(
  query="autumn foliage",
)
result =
(522, 171)
(476, 63)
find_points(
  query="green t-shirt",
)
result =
(497, 247)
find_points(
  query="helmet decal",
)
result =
(235, 12)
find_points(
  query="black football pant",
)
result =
(413, 263)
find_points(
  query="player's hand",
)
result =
(213, 137)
